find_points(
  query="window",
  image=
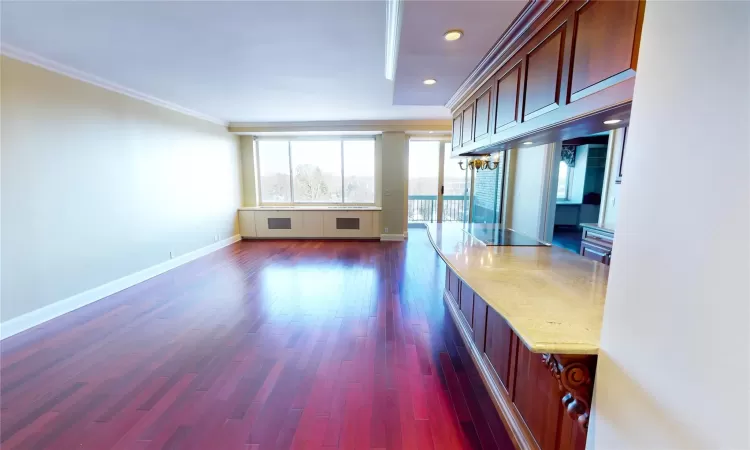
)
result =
(563, 181)
(273, 162)
(316, 171)
(359, 171)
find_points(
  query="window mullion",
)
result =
(341, 145)
(291, 175)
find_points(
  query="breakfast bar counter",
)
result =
(530, 316)
(552, 298)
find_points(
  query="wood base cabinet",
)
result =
(309, 224)
(543, 399)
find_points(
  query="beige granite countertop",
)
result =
(551, 297)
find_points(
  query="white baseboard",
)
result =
(49, 312)
(392, 237)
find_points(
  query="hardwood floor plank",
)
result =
(261, 345)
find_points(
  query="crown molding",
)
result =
(517, 34)
(341, 126)
(54, 66)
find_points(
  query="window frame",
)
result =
(289, 140)
(568, 183)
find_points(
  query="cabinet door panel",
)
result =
(604, 45)
(506, 103)
(455, 286)
(278, 224)
(498, 345)
(467, 129)
(247, 224)
(457, 131)
(347, 224)
(543, 72)
(537, 398)
(479, 322)
(467, 303)
(312, 223)
(595, 252)
(482, 121)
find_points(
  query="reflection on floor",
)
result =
(568, 238)
(275, 344)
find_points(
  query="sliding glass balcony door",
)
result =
(438, 188)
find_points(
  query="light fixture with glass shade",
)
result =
(485, 162)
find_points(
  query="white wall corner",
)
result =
(49, 312)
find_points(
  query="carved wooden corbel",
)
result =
(573, 374)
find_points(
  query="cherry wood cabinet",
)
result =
(482, 118)
(595, 252)
(597, 242)
(536, 397)
(543, 70)
(479, 322)
(467, 303)
(528, 387)
(498, 346)
(576, 61)
(467, 124)
(506, 101)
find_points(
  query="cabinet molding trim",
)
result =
(575, 382)
(518, 33)
(604, 84)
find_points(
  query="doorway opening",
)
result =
(437, 187)
(581, 178)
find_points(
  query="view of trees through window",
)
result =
(273, 161)
(319, 171)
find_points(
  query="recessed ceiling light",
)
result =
(612, 121)
(527, 143)
(453, 35)
(430, 132)
(430, 81)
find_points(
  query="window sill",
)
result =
(311, 208)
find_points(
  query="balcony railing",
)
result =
(424, 208)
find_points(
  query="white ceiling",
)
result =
(424, 53)
(264, 61)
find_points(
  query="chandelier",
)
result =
(482, 163)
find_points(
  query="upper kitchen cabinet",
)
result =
(562, 66)
(506, 102)
(456, 140)
(474, 122)
(605, 46)
(467, 129)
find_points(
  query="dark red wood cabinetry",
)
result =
(525, 386)
(498, 345)
(576, 60)
(597, 242)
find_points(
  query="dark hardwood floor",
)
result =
(274, 344)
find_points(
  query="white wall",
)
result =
(578, 174)
(673, 369)
(97, 185)
(611, 192)
(527, 190)
(249, 187)
(394, 175)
